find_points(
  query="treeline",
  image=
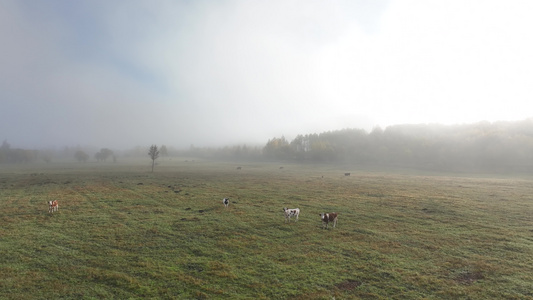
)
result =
(484, 146)
(8, 154)
(16, 155)
(228, 153)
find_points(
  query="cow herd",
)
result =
(289, 213)
(295, 212)
(326, 217)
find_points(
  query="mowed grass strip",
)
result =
(127, 233)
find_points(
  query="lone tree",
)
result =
(104, 154)
(154, 154)
(81, 156)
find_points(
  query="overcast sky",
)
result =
(120, 74)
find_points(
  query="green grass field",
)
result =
(122, 232)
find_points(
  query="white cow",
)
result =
(291, 212)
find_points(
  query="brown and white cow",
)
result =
(291, 212)
(329, 218)
(53, 206)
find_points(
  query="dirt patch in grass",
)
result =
(348, 285)
(469, 277)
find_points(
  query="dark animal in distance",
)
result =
(226, 202)
(291, 212)
(329, 218)
(238, 168)
(346, 174)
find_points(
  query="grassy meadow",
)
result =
(123, 232)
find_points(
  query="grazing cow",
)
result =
(329, 218)
(291, 212)
(226, 202)
(53, 206)
(346, 174)
(238, 168)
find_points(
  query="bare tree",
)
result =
(154, 154)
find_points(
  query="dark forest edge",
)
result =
(484, 146)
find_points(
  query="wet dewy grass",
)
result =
(124, 232)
